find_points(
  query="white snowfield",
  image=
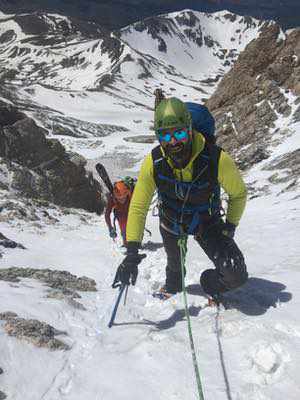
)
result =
(250, 351)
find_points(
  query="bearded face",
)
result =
(177, 144)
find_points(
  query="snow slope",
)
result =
(248, 352)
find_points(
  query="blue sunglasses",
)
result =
(179, 135)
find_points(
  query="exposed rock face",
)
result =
(5, 242)
(255, 92)
(33, 331)
(62, 280)
(67, 126)
(286, 169)
(40, 167)
(2, 394)
(62, 283)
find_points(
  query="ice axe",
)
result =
(113, 315)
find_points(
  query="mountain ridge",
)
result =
(116, 14)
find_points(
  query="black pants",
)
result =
(230, 270)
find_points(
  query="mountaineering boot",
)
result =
(211, 282)
(162, 294)
(215, 300)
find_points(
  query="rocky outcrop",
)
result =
(8, 243)
(2, 394)
(38, 333)
(73, 127)
(62, 283)
(64, 286)
(286, 170)
(62, 280)
(255, 92)
(41, 168)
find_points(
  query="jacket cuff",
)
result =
(230, 225)
(133, 247)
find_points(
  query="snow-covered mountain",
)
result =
(115, 14)
(60, 69)
(54, 51)
(57, 264)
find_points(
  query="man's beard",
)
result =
(180, 153)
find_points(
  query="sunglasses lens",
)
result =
(166, 137)
(181, 135)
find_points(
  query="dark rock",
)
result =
(40, 167)
(9, 115)
(209, 42)
(75, 304)
(289, 162)
(230, 17)
(76, 128)
(39, 25)
(187, 18)
(7, 36)
(113, 47)
(249, 98)
(141, 139)
(55, 279)
(5, 242)
(296, 115)
(33, 331)
(2, 395)
(10, 244)
(254, 155)
(1, 371)
(7, 315)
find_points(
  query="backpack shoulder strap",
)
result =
(160, 164)
(214, 152)
(157, 155)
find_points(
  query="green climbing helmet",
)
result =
(171, 113)
(129, 182)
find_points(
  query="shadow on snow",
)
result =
(255, 297)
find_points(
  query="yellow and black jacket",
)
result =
(227, 176)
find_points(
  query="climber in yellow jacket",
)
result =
(188, 170)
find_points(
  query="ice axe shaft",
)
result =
(113, 315)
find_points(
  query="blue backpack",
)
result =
(202, 120)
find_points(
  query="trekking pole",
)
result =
(182, 243)
(113, 315)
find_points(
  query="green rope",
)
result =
(182, 243)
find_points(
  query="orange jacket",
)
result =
(120, 210)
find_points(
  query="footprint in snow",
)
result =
(267, 362)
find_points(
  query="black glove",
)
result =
(218, 230)
(228, 229)
(229, 256)
(127, 272)
(224, 251)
